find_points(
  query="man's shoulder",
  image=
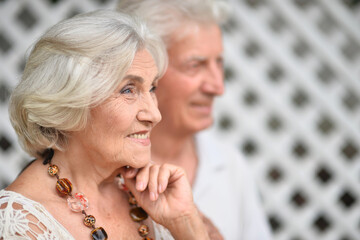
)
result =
(211, 143)
(212, 146)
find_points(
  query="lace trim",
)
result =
(22, 218)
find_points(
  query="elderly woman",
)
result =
(222, 184)
(85, 108)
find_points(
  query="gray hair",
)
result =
(166, 16)
(74, 66)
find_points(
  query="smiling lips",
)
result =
(203, 107)
(141, 137)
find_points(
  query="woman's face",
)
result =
(119, 128)
(194, 77)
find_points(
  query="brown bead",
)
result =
(99, 234)
(132, 200)
(138, 214)
(143, 230)
(147, 238)
(89, 220)
(64, 186)
(53, 170)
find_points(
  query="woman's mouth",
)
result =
(141, 137)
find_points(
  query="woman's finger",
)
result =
(163, 178)
(142, 178)
(130, 172)
(153, 182)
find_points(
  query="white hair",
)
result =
(167, 16)
(74, 66)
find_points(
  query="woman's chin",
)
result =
(140, 161)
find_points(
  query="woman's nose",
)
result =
(149, 111)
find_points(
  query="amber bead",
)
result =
(138, 214)
(147, 238)
(99, 234)
(143, 230)
(64, 186)
(132, 200)
(53, 170)
(89, 220)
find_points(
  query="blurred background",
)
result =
(292, 103)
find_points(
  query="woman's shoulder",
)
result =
(27, 219)
(9, 198)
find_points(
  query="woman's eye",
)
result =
(153, 89)
(128, 90)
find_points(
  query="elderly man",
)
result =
(223, 188)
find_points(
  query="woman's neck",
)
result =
(82, 168)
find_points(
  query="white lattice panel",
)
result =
(292, 105)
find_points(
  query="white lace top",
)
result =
(23, 218)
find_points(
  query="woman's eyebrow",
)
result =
(134, 77)
(156, 78)
(155, 81)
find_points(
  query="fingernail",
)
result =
(140, 186)
(152, 196)
(160, 187)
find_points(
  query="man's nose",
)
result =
(214, 80)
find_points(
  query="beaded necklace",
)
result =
(79, 203)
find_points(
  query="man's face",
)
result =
(194, 77)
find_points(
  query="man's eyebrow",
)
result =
(201, 58)
(134, 77)
(196, 58)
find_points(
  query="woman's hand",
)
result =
(164, 192)
(214, 233)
